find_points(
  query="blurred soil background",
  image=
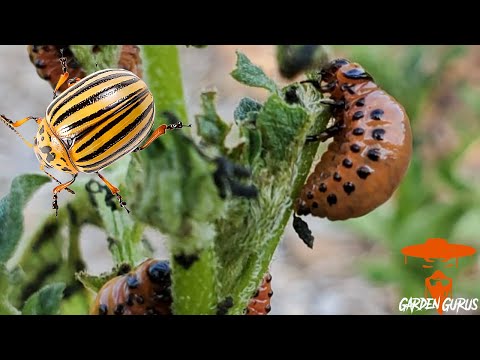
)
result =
(325, 280)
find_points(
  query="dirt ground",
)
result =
(324, 280)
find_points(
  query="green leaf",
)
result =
(210, 126)
(95, 282)
(45, 301)
(244, 109)
(106, 57)
(251, 75)
(6, 281)
(11, 211)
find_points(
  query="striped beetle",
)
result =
(93, 123)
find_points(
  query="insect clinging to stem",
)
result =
(371, 148)
(94, 122)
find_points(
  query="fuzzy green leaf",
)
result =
(11, 211)
(46, 301)
(252, 75)
(6, 283)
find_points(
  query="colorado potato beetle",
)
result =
(260, 302)
(142, 291)
(371, 148)
(94, 122)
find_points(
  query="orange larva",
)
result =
(46, 59)
(370, 151)
(260, 303)
(144, 291)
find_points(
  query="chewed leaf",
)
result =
(249, 74)
(11, 211)
(46, 301)
(211, 127)
(247, 110)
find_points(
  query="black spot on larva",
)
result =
(347, 163)
(332, 199)
(129, 300)
(269, 278)
(355, 148)
(378, 134)
(309, 195)
(357, 74)
(376, 114)
(303, 210)
(268, 308)
(159, 272)
(41, 129)
(315, 205)
(360, 102)
(256, 293)
(132, 281)
(349, 187)
(322, 187)
(337, 176)
(139, 299)
(270, 293)
(102, 309)
(186, 260)
(363, 172)
(358, 131)
(119, 309)
(374, 154)
(357, 115)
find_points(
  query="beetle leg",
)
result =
(161, 130)
(326, 134)
(115, 191)
(63, 77)
(55, 179)
(59, 188)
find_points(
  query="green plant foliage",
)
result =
(45, 301)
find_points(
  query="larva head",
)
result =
(50, 150)
(340, 72)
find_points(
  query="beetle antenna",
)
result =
(8, 122)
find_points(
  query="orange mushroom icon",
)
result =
(438, 284)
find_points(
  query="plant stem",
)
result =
(193, 288)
